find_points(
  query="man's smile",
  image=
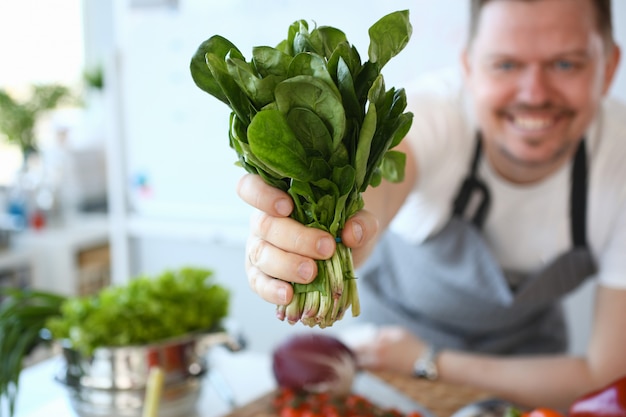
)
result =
(533, 123)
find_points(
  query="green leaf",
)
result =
(272, 141)
(389, 36)
(364, 146)
(399, 104)
(340, 156)
(200, 72)
(259, 90)
(392, 167)
(307, 63)
(364, 80)
(320, 169)
(376, 93)
(314, 94)
(311, 131)
(350, 56)
(345, 83)
(302, 41)
(326, 39)
(401, 128)
(237, 98)
(270, 61)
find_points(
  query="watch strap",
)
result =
(425, 366)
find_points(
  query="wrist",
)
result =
(425, 366)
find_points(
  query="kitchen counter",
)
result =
(244, 377)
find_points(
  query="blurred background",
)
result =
(131, 172)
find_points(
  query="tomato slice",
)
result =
(544, 412)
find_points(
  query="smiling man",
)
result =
(537, 73)
(514, 196)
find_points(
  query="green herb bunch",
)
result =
(312, 119)
(23, 313)
(145, 310)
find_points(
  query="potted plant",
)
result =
(18, 119)
(110, 340)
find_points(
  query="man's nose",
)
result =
(534, 86)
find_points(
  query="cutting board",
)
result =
(438, 399)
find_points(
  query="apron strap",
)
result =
(578, 197)
(472, 185)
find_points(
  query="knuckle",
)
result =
(264, 224)
(300, 241)
(255, 250)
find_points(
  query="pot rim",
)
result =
(217, 335)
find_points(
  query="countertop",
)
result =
(248, 378)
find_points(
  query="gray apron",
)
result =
(451, 291)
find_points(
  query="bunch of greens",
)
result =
(23, 313)
(145, 310)
(312, 119)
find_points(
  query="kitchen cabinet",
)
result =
(70, 259)
(16, 268)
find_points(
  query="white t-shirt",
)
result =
(527, 225)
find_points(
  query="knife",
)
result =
(385, 396)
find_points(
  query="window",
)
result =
(42, 42)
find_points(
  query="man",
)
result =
(514, 195)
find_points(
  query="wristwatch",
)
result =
(425, 366)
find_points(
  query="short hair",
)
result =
(604, 20)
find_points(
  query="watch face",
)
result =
(425, 366)
(426, 370)
(431, 371)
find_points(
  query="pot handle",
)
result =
(230, 337)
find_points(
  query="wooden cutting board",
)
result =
(439, 398)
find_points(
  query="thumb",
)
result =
(360, 229)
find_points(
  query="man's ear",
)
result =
(465, 64)
(612, 62)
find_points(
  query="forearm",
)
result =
(549, 381)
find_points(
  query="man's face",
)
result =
(537, 71)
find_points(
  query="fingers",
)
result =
(360, 229)
(254, 191)
(270, 289)
(280, 251)
(289, 235)
(277, 263)
(393, 349)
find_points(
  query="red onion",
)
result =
(316, 363)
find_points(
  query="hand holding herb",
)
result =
(312, 119)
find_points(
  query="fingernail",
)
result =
(325, 246)
(283, 207)
(305, 271)
(282, 295)
(357, 231)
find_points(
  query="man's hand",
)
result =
(280, 250)
(393, 349)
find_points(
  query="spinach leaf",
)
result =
(200, 72)
(314, 94)
(272, 141)
(388, 37)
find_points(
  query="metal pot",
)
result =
(112, 381)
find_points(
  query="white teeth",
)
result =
(532, 123)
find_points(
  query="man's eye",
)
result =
(505, 66)
(564, 65)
